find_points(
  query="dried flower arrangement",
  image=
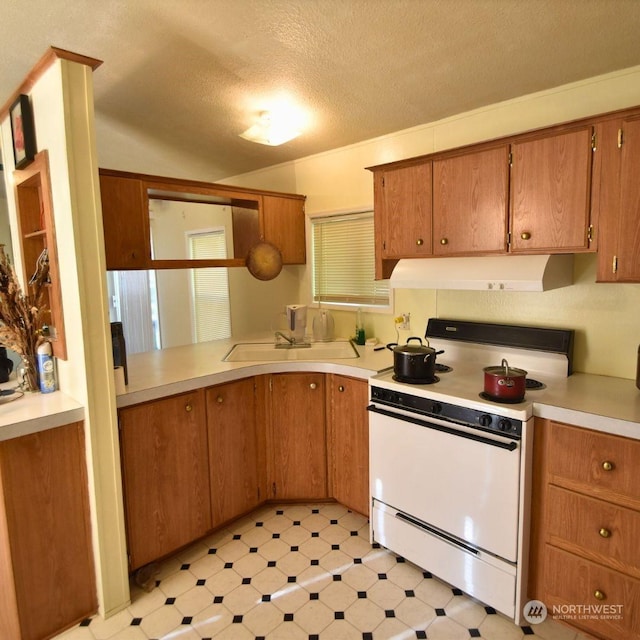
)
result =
(21, 317)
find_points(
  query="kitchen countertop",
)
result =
(607, 404)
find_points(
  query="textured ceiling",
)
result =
(182, 79)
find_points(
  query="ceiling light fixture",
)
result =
(272, 129)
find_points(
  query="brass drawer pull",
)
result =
(525, 235)
(419, 242)
(444, 241)
(607, 466)
(341, 388)
(313, 385)
(604, 533)
(599, 595)
(220, 399)
(188, 407)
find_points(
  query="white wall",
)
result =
(62, 101)
(603, 315)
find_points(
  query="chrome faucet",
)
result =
(291, 341)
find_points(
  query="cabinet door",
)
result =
(348, 438)
(283, 219)
(298, 461)
(470, 200)
(402, 206)
(233, 454)
(166, 477)
(43, 487)
(125, 218)
(550, 191)
(617, 199)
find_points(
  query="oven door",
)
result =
(457, 479)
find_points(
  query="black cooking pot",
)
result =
(6, 365)
(414, 362)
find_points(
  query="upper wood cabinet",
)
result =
(38, 241)
(470, 202)
(402, 215)
(125, 221)
(616, 198)
(550, 192)
(283, 226)
(146, 219)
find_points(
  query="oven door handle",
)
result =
(510, 446)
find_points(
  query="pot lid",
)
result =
(505, 370)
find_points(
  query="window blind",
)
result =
(344, 261)
(210, 287)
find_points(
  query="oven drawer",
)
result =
(482, 576)
(466, 487)
(591, 597)
(600, 464)
(600, 530)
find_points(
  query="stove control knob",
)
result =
(504, 424)
(436, 407)
(485, 420)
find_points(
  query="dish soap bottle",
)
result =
(46, 368)
(360, 337)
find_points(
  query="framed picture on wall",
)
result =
(22, 131)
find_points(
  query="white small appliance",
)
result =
(323, 326)
(297, 321)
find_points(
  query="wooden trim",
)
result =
(52, 54)
(196, 186)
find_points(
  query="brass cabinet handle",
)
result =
(605, 533)
(444, 241)
(599, 595)
(313, 385)
(188, 407)
(419, 242)
(607, 466)
(220, 399)
(341, 388)
(525, 235)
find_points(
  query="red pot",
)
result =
(505, 382)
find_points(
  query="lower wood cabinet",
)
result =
(348, 441)
(297, 449)
(47, 579)
(165, 466)
(196, 461)
(586, 515)
(235, 464)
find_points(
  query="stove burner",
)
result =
(416, 380)
(486, 396)
(442, 368)
(530, 383)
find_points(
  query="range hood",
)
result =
(496, 273)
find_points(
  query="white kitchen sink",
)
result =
(267, 352)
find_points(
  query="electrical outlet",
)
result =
(403, 322)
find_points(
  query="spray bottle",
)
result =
(46, 368)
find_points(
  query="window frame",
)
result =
(339, 306)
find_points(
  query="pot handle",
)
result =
(416, 338)
(505, 365)
(391, 345)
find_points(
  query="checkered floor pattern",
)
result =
(301, 572)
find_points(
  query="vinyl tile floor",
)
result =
(301, 572)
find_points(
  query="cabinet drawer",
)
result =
(598, 530)
(571, 587)
(595, 463)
